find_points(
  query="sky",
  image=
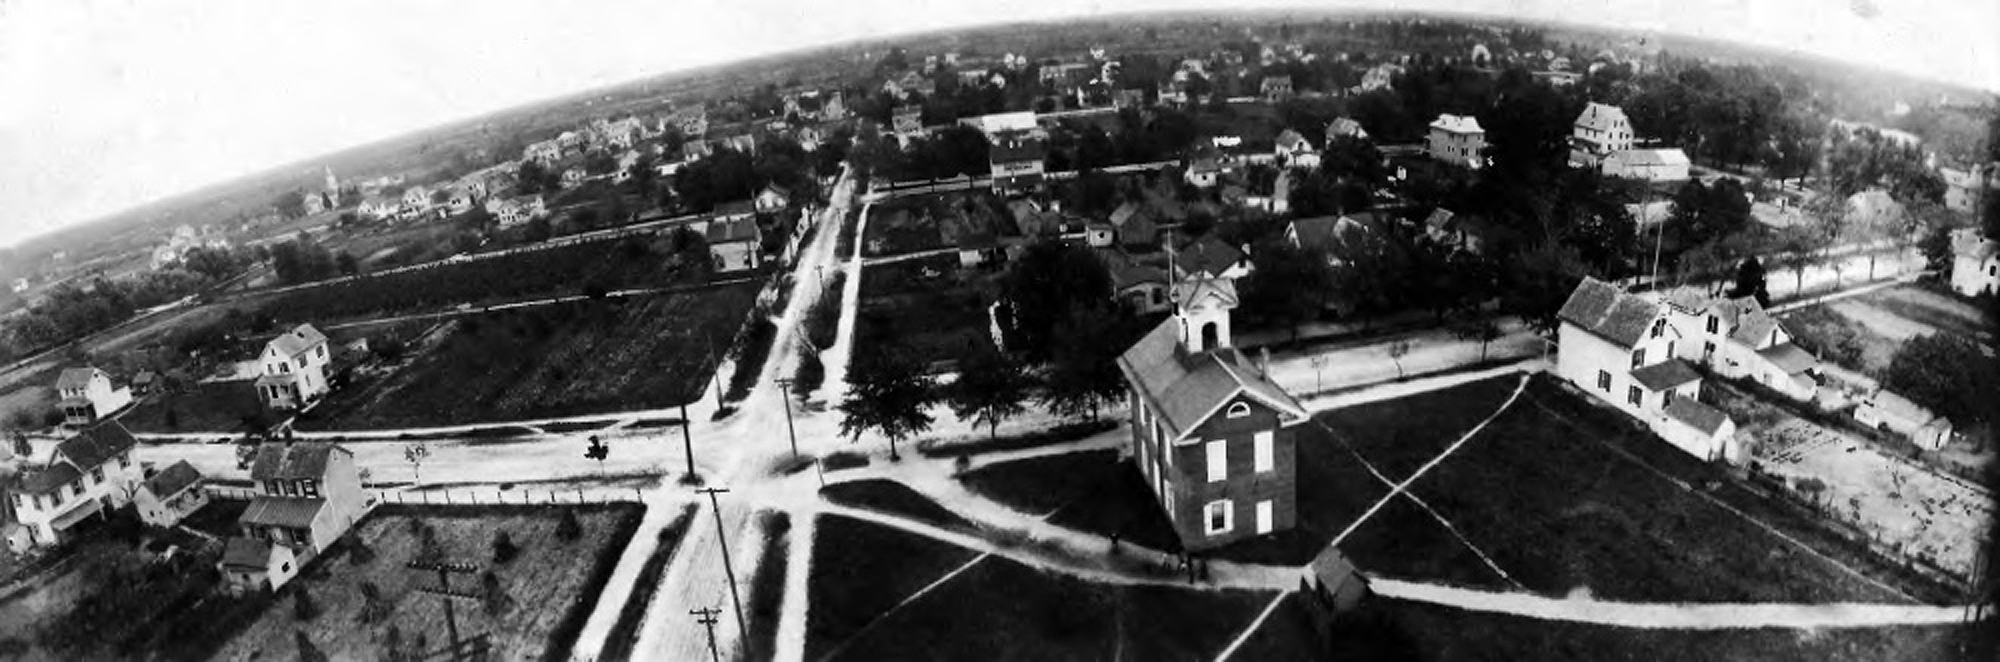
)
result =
(108, 104)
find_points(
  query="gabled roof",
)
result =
(1665, 375)
(1649, 157)
(1207, 256)
(1292, 140)
(242, 552)
(1967, 243)
(46, 480)
(1019, 149)
(292, 460)
(1789, 358)
(732, 231)
(1186, 389)
(1440, 220)
(1601, 117)
(1752, 324)
(297, 341)
(1601, 308)
(75, 378)
(1697, 415)
(288, 512)
(1187, 292)
(95, 445)
(173, 480)
(1901, 407)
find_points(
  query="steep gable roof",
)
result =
(292, 460)
(1789, 358)
(1601, 117)
(1187, 292)
(288, 512)
(75, 378)
(297, 341)
(1697, 415)
(97, 444)
(1601, 308)
(173, 480)
(1184, 390)
(1208, 256)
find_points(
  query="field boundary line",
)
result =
(1455, 533)
(1627, 456)
(912, 597)
(1255, 625)
(1400, 487)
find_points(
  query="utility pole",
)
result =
(785, 395)
(722, 539)
(687, 439)
(706, 617)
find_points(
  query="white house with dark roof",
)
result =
(1294, 151)
(1896, 414)
(1622, 348)
(88, 474)
(1975, 263)
(1738, 339)
(292, 368)
(308, 495)
(167, 497)
(87, 395)
(1212, 435)
(1599, 131)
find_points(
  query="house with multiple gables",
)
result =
(90, 473)
(1738, 339)
(1212, 435)
(1599, 131)
(87, 396)
(292, 369)
(308, 495)
(170, 495)
(1294, 151)
(1624, 348)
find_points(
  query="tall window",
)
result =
(1262, 453)
(309, 487)
(1639, 358)
(1659, 327)
(1632, 395)
(1604, 381)
(1707, 351)
(1666, 398)
(1218, 460)
(1713, 323)
(1218, 517)
(97, 473)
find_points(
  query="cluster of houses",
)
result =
(293, 371)
(187, 238)
(305, 496)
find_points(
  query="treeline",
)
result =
(74, 310)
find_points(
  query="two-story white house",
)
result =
(86, 475)
(1458, 140)
(167, 497)
(308, 495)
(87, 395)
(292, 368)
(1599, 131)
(1975, 263)
(1621, 348)
(1294, 151)
(1737, 338)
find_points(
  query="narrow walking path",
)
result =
(1672, 616)
(1400, 487)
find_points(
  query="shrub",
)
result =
(844, 460)
(373, 607)
(568, 529)
(504, 549)
(361, 553)
(303, 607)
(492, 595)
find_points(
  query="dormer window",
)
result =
(1239, 410)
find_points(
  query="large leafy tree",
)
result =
(1538, 281)
(1948, 374)
(1051, 279)
(889, 393)
(1289, 286)
(1083, 373)
(990, 388)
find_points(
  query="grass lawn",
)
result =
(1091, 491)
(562, 360)
(550, 587)
(861, 570)
(1025, 614)
(1939, 311)
(625, 632)
(767, 589)
(203, 407)
(893, 498)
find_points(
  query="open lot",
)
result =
(547, 587)
(203, 407)
(928, 306)
(1019, 613)
(561, 360)
(1389, 629)
(1881, 321)
(1555, 496)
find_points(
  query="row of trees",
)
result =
(74, 310)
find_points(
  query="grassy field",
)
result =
(547, 586)
(861, 570)
(1091, 491)
(927, 306)
(210, 407)
(1872, 327)
(1025, 614)
(893, 498)
(560, 360)
(1389, 629)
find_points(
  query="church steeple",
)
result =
(1202, 306)
(332, 187)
